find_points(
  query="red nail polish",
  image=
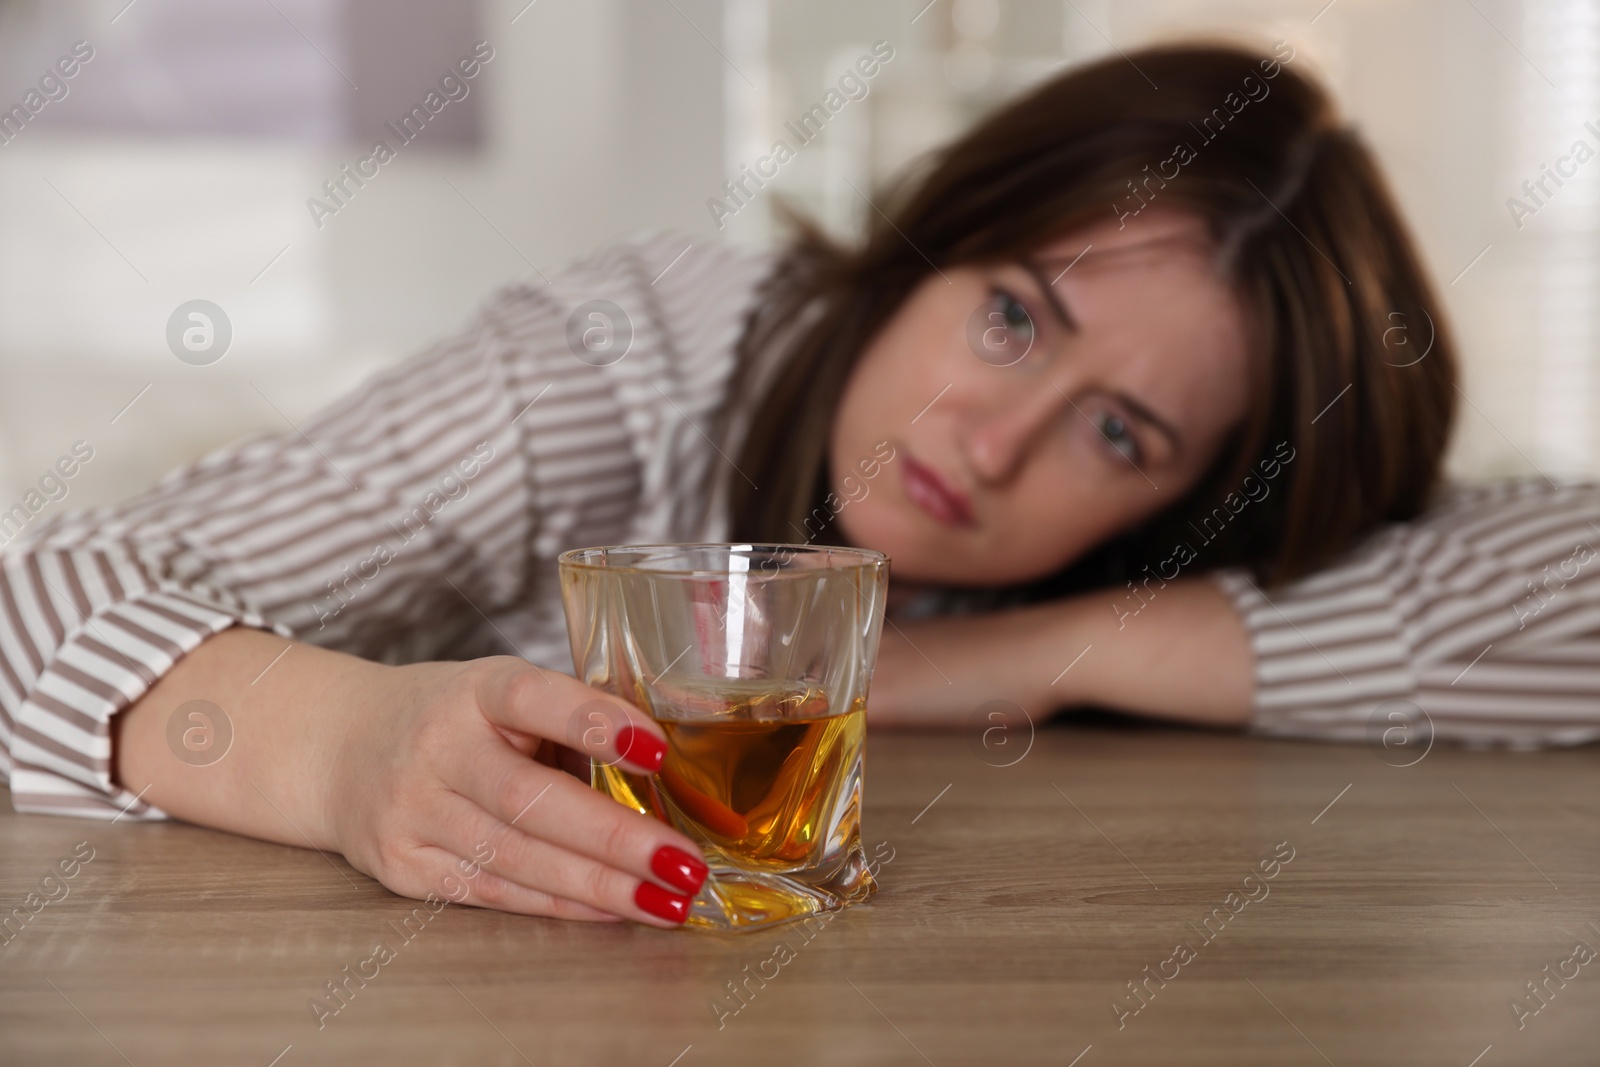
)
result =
(679, 868)
(656, 901)
(641, 748)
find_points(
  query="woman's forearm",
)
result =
(421, 775)
(1185, 655)
(276, 705)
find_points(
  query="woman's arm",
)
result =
(420, 775)
(415, 518)
(1479, 622)
(1185, 655)
(382, 527)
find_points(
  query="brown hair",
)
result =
(1303, 222)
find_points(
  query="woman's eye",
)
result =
(1116, 433)
(1014, 316)
(1007, 330)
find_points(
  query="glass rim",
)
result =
(860, 559)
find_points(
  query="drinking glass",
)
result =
(755, 661)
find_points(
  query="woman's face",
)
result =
(1035, 410)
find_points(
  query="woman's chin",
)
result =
(922, 551)
(914, 555)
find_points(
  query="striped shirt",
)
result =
(420, 517)
(1478, 623)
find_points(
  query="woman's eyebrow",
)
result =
(1057, 308)
(1146, 415)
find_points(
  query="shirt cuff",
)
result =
(1331, 652)
(61, 747)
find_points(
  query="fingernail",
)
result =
(641, 748)
(678, 867)
(656, 901)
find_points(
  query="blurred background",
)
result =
(178, 160)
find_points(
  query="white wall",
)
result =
(605, 118)
(609, 116)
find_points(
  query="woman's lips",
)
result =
(935, 496)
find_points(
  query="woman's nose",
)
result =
(1000, 438)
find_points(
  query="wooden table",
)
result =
(1020, 903)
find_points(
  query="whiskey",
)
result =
(763, 769)
(768, 780)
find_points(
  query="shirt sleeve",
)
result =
(400, 502)
(1479, 623)
(404, 522)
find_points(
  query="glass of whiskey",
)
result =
(755, 660)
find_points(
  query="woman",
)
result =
(1144, 392)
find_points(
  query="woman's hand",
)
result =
(422, 776)
(438, 782)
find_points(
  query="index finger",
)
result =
(516, 696)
